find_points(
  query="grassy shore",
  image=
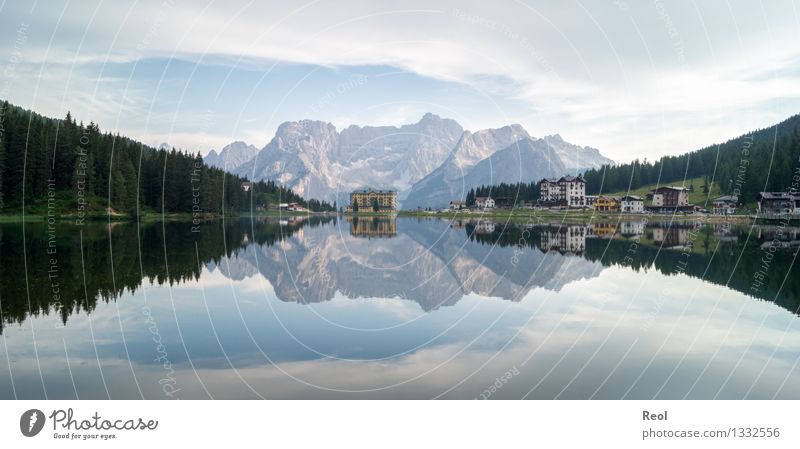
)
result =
(148, 216)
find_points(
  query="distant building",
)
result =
(484, 202)
(369, 200)
(296, 207)
(778, 203)
(548, 191)
(590, 200)
(566, 191)
(246, 186)
(607, 204)
(725, 205)
(457, 205)
(631, 204)
(670, 197)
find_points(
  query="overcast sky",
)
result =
(634, 79)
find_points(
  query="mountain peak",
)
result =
(429, 116)
(231, 156)
(554, 137)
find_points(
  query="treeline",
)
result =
(735, 263)
(89, 271)
(516, 192)
(763, 160)
(271, 194)
(77, 168)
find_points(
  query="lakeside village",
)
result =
(568, 193)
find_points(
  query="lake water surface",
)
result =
(345, 307)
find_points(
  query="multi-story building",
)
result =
(549, 191)
(670, 197)
(778, 203)
(725, 205)
(631, 204)
(369, 200)
(607, 204)
(566, 191)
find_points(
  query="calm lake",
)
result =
(344, 307)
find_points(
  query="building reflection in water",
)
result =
(675, 236)
(372, 226)
(631, 228)
(564, 238)
(604, 230)
(778, 236)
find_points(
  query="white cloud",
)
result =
(633, 81)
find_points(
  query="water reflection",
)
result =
(400, 308)
(372, 226)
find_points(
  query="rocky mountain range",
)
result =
(232, 156)
(315, 265)
(429, 162)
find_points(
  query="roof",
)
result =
(727, 198)
(374, 191)
(483, 198)
(631, 198)
(571, 179)
(680, 189)
(458, 202)
(778, 196)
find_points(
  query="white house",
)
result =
(457, 205)
(484, 202)
(725, 205)
(631, 204)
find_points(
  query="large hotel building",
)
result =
(368, 200)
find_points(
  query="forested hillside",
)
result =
(74, 167)
(514, 192)
(763, 160)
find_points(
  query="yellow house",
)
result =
(607, 204)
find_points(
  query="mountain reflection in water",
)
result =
(484, 295)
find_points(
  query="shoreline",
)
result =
(519, 214)
(186, 216)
